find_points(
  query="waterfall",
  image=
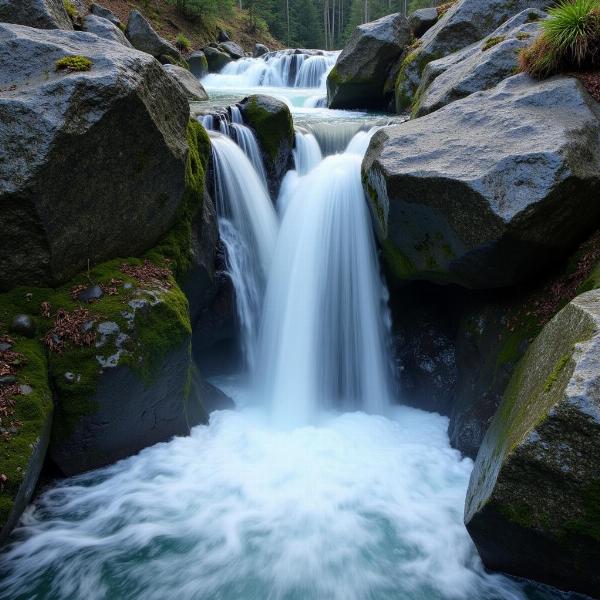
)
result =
(334, 137)
(324, 334)
(284, 68)
(307, 153)
(248, 226)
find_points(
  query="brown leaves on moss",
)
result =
(9, 362)
(148, 272)
(74, 327)
(111, 288)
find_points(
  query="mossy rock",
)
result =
(273, 124)
(24, 436)
(532, 506)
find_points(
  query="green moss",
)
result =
(587, 523)
(176, 246)
(401, 265)
(33, 412)
(560, 365)
(524, 328)
(522, 36)
(403, 98)
(492, 41)
(74, 63)
(71, 9)
(272, 128)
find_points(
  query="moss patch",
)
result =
(272, 128)
(74, 64)
(492, 41)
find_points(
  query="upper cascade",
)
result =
(283, 68)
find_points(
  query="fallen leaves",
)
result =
(75, 327)
(148, 272)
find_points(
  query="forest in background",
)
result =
(324, 24)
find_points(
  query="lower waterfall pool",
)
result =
(341, 506)
(355, 507)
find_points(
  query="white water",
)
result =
(360, 508)
(285, 68)
(248, 225)
(324, 337)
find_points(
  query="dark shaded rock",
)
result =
(222, 36)
(272, 121)
(425, 321)
(532, 503)
(42, 14)
(55, 192)
(361, 70)
(478, 67)
(100, 11)
(143, 37)
(422, 19)
(104, 29)
(211, 397)
(94, 292)
(198, 64)
(466, 22)
(23, 325)
(259, 50)
(7, 379)
(142, 392)
(499, 201)
(200, 284)
(192, 88)
(216, 59)
(234, 50)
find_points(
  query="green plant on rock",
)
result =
(74, 63)
(570, 40)
(71, 9)
(492, 41)
(183, 43)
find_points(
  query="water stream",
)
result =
(320, 487)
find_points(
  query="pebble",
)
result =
(94, 292)
(23, 325)
(5, 346)
(8, 380)
(26, 389)
(70, 377)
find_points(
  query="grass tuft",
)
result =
(570, 40)
(182, 43)
(492, 41)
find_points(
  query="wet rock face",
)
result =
(42, 14)
(478, 67)
(193, 89)
(100, 11)
(360, 73)
(422, 20)
(466, 22)
(234, 50)
(490, 189)
(105, 29)
(272, 122)
(65, 186)
(216, 59)
(532, 503)
(143, 37)
(198, 64)
(260, 50)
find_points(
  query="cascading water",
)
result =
(285, 68)
(324, 333)
(248, 227)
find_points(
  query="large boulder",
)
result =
(272, 122)
(92, 163)
(43, 14)
(533, 502)
(422, 19)
(198, 64)
(359, 75)
(466, 22)
(478, 67)
(216, 59)
(260, 50)
(234, 50)
(143, 37)
(100, 11)
(489, 190)
(133, 389)
(192, 88)
(104, 29)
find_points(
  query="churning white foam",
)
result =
(360, 507)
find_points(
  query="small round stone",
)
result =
(70, 377)
(94, 292)
(23, 325)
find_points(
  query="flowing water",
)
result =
(320, 487)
